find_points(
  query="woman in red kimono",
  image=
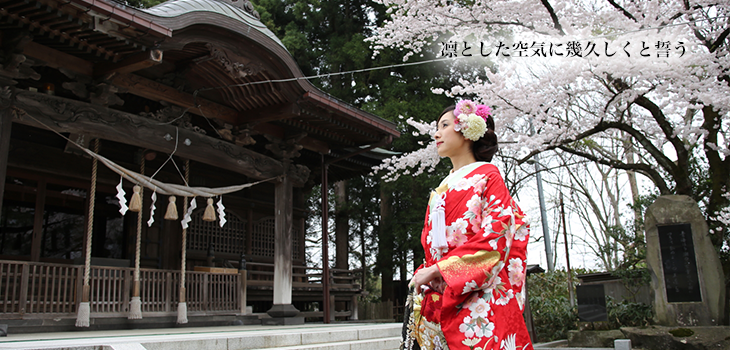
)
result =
(470, 292)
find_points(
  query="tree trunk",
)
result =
(385, 245)
(634, 190)
(719, 173)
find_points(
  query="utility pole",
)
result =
(543, 215)
(543, 210)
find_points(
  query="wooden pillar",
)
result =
(342, 226)
(283, 312)
(353, 308)
(332, 309)
(6, 120)
(302, 239)
(39, 218)
(249, 231)
(242, 290)
(283, 228)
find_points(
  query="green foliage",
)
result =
(553, 316)
(628, 314)
(633, 279)
(549, 300)
(682, 332)
(326, 37)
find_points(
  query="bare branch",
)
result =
(656, 153)
(645, 169)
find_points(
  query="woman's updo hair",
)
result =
(484, 148)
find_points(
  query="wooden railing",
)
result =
(108, 292)
(34, 288)
(305, 274)
(37, 288)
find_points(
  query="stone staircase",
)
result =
(384, 336)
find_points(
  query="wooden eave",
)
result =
(123, 15)
(76, 28)
(280, 65)
(235, 72)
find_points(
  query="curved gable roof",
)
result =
(177, 8)
(212, 58)
(239, 18)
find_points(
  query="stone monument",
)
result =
(686, 275)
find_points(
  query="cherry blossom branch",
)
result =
(553, 16)
(623, 10)
(720, 40)
(682, 166)
(680, 169)
(720, 176)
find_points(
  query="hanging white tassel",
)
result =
(83, 315)
(186, 219)
(182, 313)
(221, 211)
(135, 204)
(438, 222)
(135, 309)
(209, 214)
(122, 200)
(171, 213)
(152, 210)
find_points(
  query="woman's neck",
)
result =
(462, 160)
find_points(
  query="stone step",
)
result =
(68, 324)
(280, 339)
(369, 344)
(311, 336)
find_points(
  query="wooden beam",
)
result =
(273, 113)
(159, 92)
(66, 115)
(126, 17)
(62, 33)
(315, 145)
(130, 64)
(57, 59)
(155, 91)
(309, 143)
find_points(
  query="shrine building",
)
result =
(190, 95)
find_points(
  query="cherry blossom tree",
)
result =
(654, 72)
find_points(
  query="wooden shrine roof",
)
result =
(213, 59)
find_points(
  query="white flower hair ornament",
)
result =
(471, 119)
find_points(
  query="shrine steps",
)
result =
(340, 336)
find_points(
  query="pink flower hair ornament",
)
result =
(471, 119)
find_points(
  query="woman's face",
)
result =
(449, 142)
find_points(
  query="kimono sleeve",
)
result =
(494, 219)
